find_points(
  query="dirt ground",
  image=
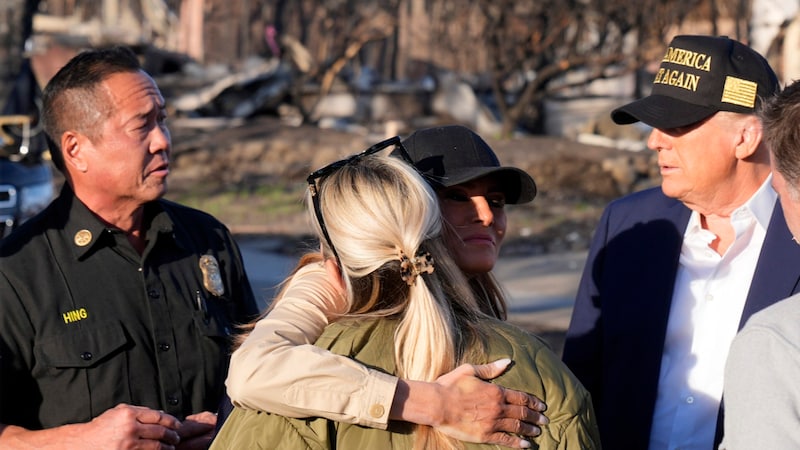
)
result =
(575, 181)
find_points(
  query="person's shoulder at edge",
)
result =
(782, 316)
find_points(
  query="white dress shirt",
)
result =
(710, 293)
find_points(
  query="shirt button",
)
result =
(376, 411)
(86, 356)
(690, 399)
(709, 297)
(172, 400)
(163, 347)
(153, 294)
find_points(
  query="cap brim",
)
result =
(518, 186)
(661, 112)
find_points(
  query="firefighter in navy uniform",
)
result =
(117, 306)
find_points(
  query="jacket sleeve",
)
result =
(278, 369)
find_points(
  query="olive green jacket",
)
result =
(536, 370)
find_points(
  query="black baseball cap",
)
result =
(698, 76)
(454, 154)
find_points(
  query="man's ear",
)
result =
(751, 132)
(72, 146)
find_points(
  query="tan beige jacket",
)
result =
(278, 368)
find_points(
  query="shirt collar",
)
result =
(762, 203)
(759, 206)
(85, 230)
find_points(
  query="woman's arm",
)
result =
(278, 369)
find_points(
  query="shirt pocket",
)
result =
(213, 346)
(82, 373)
(86, 347)
(213, 320)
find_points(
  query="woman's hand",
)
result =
(462, 405)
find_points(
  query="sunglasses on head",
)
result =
(316, 176)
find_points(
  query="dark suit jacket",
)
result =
(616, 336)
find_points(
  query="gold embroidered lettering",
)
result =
(687, 58)
(659, 75)
(690, 82)
(706, 65)
(670, 55)
(75, 315)
(677, 78)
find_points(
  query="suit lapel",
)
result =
(778, 270)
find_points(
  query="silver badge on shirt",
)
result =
(212, 279)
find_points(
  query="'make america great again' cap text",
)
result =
(698, 76)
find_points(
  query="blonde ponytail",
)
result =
(385, 223)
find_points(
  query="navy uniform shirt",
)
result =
(87, 323)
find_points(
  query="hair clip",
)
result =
(410, 268)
